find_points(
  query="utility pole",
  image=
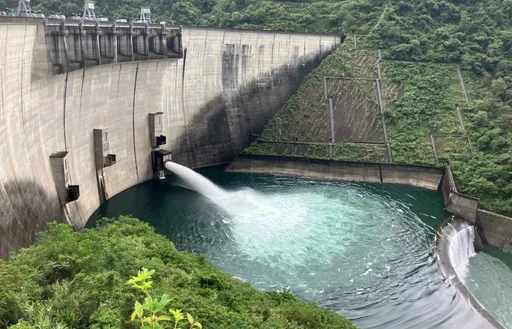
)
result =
(145, 15)
(24, 8)
(89, 13)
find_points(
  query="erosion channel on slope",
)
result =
(363, 250)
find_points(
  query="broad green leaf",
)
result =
(190, 318)
(138, 310)
(165, 299)
(163, 318)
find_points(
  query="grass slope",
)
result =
(487, 173)
(305, 117)
(420, 100)
(427, 107)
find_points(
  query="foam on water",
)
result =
(290, 229)
(362, 250)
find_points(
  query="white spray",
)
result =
(261, 224)
(462, 249)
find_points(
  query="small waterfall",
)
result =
(462, 249)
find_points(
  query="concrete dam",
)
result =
(83, 110)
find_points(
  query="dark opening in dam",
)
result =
(363, 250)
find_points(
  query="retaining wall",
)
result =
(493, 228)
(424, 177)
(229, 84)
(463, 206)
(497, 229)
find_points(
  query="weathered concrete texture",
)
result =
(463, 206)
(424, 177)
(302, 167)
(497, 229)
(446, 235)
(74, 44)
(446, 185)
(493, 229)
(228, 84)
(26, 208)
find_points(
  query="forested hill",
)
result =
(474, 32)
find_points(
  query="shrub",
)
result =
(78, 280)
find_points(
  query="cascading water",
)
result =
(196, 182)
(462, 249)
(363, 250)
(265, 227)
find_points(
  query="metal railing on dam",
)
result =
(77, 44)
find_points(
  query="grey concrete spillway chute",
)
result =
(228, 84)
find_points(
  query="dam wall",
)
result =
(228, 84)
(77, 44)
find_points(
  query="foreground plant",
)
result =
(151, 313)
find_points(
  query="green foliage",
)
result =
(487, 173)
(79, 280)
(427, 107)
(155, 306)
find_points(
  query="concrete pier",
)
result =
(77, 44)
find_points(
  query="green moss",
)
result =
(359, 152)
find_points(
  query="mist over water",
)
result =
(362, 250)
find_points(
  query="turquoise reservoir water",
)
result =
(362, 250)
(490, 280)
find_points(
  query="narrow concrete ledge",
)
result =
(425, 177)
(446, 235)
